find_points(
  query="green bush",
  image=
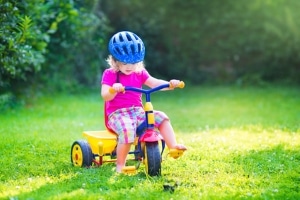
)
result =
(6, 101)
(54, 44)
(22, 45)
(77, 33)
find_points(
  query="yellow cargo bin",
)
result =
(107, 138)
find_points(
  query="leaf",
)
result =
(53, 27)
(24, 28)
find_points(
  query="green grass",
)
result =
(243, 143)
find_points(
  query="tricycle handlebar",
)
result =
(168, 85)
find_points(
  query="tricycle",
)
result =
(99, 147)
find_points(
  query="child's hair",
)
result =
(113, 63)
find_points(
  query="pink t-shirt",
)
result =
(129, 98)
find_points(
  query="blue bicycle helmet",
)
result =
(127, 47)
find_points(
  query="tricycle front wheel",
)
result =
(81, 154)
(152, 159)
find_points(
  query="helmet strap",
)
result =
(118, 77)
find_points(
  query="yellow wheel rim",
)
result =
(77, 157)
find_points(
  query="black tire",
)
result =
(152, 159)
(81, 154)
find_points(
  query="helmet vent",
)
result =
(132, 48)
(121, 38)
(136, 37)
(125, 50)
(128, 37)
(118, 50)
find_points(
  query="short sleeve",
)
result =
(145, 75)
(109, 77)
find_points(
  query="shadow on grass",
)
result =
(275, 171)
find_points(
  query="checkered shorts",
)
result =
(125, 121)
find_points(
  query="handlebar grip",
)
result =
(112, 90)
(181, 84)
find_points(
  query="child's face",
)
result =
(127, 68)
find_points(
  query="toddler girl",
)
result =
(125, 110)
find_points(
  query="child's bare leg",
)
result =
(122, 152)
(166, 130)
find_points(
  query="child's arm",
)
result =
(154, 82)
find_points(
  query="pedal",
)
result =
(129, 170)
(175, 153)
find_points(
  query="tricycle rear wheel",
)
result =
(81, 154)
(152, 159)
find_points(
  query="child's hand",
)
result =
(174, 83)
(118, 87)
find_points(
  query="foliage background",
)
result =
(216, 41)
(56, 44)
(62, 45)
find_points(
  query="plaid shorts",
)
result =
(125, 121)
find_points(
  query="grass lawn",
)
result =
(243, 143)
